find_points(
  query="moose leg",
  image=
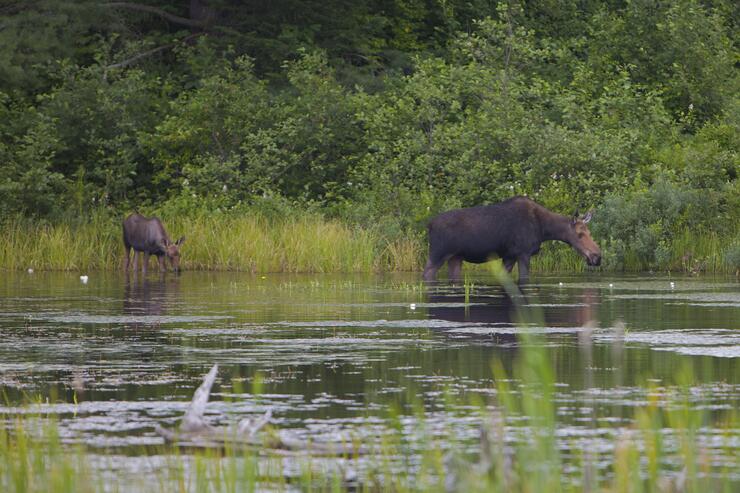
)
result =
(136, 260)
(433, 265)
(127, 258)
(454, 268)
(162, 268)
(509, 264)
(146, 262)
(430, 270)
(523, 268)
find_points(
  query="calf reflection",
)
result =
(148, 298)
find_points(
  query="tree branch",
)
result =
(147, 53)
(175, 19)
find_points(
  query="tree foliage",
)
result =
(383, 111)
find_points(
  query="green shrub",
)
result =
(646, 227)
(732, 256)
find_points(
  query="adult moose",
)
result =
(513, 230)
(147, 235)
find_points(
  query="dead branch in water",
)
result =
(195, 431)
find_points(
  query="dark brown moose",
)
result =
(513, 230)
(147, 235)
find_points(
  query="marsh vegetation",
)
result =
(301, 147)
(231, 117)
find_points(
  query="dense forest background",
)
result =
(379, 113)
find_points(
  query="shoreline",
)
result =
(308, 244)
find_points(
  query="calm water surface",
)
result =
(117, 356)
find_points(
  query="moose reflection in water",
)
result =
(497, 309)
(148, 297)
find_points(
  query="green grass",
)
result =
(305, 243)
(33, 458)
(94, 244)
(299, 243)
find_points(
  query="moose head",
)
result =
(581, 239)
(172, 251)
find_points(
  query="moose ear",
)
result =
(588, 216)
(574, 219)
(180, 241)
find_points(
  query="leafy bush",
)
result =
(28, 182)
(732, 256)
(638, 228)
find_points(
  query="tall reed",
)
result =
(252, 243)
(33, 458)
(68, 246)
(301, 242)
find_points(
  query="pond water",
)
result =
(116, 356)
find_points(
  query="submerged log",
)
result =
(195, 431)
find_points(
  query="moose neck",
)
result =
(556, 227)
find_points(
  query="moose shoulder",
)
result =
(148, 236)
(513, 230)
